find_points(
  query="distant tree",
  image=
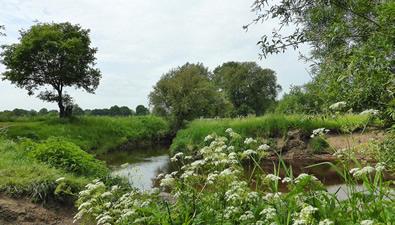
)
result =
(249, 88)
(43, 111)
(185, 93)
(299, 100)
(114, 110)
(77, 110)
(56, 55)
(142, 110)
(125, 111)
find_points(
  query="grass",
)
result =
(267, 126)
(22, 176)
(94, 134)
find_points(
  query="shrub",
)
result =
(65, 155)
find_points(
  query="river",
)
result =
(141, 166)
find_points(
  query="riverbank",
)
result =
(268, 126)
(96, 135)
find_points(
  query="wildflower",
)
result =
(380, 167)
(167, 181)
(248, 215)
(263, 147)
(230, 211)
(304, 176)
(60, 179)
(211, 178)
(229, 130)
(248, 141)
(84, 205)
(299, 222)
(208, 138)
(269, 213)
(248, 152)
(356, 172)
(272, 178)
(114, 188)
(319, 132)
(326, 222)
(198, 163)
(367, 222)
(338, 106)
(106, 194)
(231, 148)
(287, 180)
(372, 112)
(176, 157)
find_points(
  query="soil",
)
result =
(23, 212)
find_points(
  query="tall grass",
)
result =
(265, 126)
(94, 134)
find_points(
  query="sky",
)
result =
(139, 40)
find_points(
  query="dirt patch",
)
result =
(23, 212)
(354, 140)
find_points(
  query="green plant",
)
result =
(318, 144)
(211, 187)
(65, 155)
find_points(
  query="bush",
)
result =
(67, 156)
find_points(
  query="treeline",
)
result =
(232, 89)
(115, 110)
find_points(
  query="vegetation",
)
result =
(142, 110)
(61, 154)
(215, 190)
(22, 176)
(186, 93)
(352, 46)
(94, 134)
(249, 88)
(56, 55)
(267, 126)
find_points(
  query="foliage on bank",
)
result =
(94, 134)
(211, 187)
(268, 126)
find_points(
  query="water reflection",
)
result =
(139, 166)
(141, 174)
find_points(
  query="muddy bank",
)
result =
(23, 212)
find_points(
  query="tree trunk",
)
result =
(62, 111)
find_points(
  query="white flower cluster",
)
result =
(319, 132)
(372, 112)
(359, 172)
(338, 106)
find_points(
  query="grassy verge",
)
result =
(94, 134)
(266, 126)
(22, 176)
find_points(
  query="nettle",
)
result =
(224, 183)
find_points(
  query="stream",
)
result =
(141, 166)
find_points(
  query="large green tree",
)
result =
(52, 56)
(141, 110)
(185, 93)
(352, 43)
(250, 88)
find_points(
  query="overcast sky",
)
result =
(139, 40)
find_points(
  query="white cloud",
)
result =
(138, 41)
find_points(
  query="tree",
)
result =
(249, 88)
(125, 111)
(352, 42)
(141, 110)
(185, 93)
(54, 55)
(43, 111)
(2, 28)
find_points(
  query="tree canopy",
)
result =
(250, 88)
(352, 46)
(141, 110)
(52, 56)
(185, 93)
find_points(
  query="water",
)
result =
(139, 166)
